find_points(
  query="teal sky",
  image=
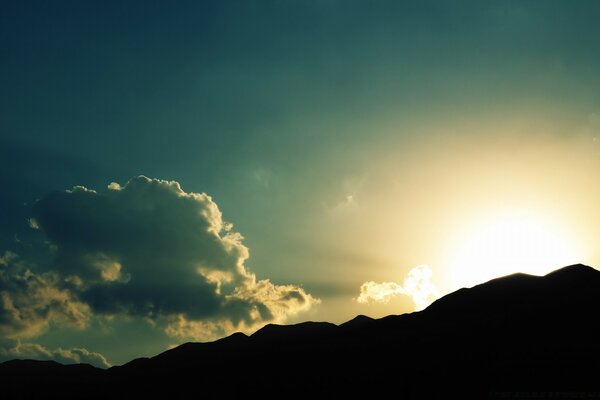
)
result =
(347, 141)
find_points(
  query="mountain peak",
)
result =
(575, 269)
(359, 320)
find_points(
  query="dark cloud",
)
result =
(39, 168)
(151, 250)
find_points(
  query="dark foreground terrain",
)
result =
(519, 336)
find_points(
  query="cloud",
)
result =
(417, 284)
(30, 302)
(80, 355)
(151, 250)
(346, 205)
(10, 349)
(344, 200)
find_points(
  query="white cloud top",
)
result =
(417, 285)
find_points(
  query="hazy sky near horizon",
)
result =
(176, 171)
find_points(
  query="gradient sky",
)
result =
(386, 152)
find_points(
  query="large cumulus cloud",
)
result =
(150, 249)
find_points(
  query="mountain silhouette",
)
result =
(519, 336)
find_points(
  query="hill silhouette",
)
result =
(518, 336)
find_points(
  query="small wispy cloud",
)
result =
(14, 348)
(417, 285)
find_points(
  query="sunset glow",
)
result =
(181, 171)
(508, 242)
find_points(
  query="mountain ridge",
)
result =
(517, 331)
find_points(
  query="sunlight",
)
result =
(507, 243)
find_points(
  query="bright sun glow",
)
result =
(509, 243)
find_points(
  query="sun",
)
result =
(508, 242)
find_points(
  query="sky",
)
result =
(179, 171)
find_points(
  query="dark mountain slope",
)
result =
(518, 334)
